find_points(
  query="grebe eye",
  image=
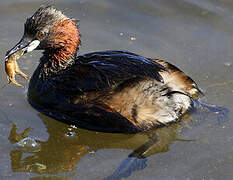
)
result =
(41, 35)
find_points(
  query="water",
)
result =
(195, 35)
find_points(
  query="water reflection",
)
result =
(66, 145)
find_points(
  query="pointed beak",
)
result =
(25, 44)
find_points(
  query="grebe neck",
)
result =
(63, 45)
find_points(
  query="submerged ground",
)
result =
(195, 35)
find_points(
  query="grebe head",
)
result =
(50, 30)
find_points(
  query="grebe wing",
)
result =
(105, 69)
(122, 63)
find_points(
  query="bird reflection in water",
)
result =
(66, 146)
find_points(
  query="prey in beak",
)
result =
(38, 34)
(11, 66)
(25, 45)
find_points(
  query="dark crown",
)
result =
(44, 17)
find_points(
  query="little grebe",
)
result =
(110, 91)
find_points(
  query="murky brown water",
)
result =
(195, 35)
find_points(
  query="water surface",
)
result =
(195, 35)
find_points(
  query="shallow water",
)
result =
(195, 35)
